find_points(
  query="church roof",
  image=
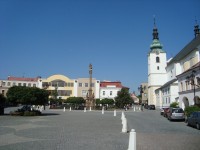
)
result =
(186, 50)
(156, 46)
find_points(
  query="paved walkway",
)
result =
(58, 130)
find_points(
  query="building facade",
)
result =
(144, 92)
(82, 87)
(17, 81)
(60, 84)
(177, 87)
(109, 89)
(189, 87)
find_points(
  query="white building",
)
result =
(176, 88)
(109, 89)
(157, 62)
(17, 81)
(189, 87)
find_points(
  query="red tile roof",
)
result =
(22, 79)
(105, 84)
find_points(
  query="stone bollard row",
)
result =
(132, 140)
(102, 110)
(115, 114)
(124, 123)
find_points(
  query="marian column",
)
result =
(90, 97)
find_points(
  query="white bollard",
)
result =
(70, 109)
(102, 110)
(132, 140)
(134, 108)
(90, 108)
(64, 109)
(115, 113)
(123, 115)
(84, 109)
(124, 125)
(139, 108)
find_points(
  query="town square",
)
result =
(99, 74)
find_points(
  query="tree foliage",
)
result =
(75, 100)
(188, 110)
(98, 101)
(108, 101)
(123, 98)
(27, 95)
(2, 100)
(174, 105)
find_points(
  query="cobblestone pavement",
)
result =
(76, 130)
(58, 130)
(155, 132)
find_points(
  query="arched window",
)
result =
(157, 59)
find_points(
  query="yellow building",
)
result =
(60, 83)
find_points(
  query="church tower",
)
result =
(157, 62)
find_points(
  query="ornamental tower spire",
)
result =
(156, 46)
(196, 29)
(155, 30)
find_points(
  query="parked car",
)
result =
(146, 106)
(151, 107)
(175, 114)
(162, 110)
(25, 108)
(194, 120)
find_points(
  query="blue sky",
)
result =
(46, 37)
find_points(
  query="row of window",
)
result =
(85, 84)
(186, 86)
(18, 84)
(58, 83)
(166, 91)
(61, 92)
(104, 93)
(166, 100)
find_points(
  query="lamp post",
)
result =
(140, 89)
(191, 80)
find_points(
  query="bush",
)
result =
(190, 109)
(174, 105)
(16, 113)
(26, 113)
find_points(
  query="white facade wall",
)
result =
(186, 92)
(75, 88)
(178, 69)
(105, 92)
(156, 75)
(153, 65)
(97, 87)
(157, 79)
(9, 83)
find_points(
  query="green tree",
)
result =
(123, 98)
(174, 105)
(2, 104)
(27, 95)
(188, 110)
(108, 101)
(75, 100)
(98, 101)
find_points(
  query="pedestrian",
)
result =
(141, 107)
